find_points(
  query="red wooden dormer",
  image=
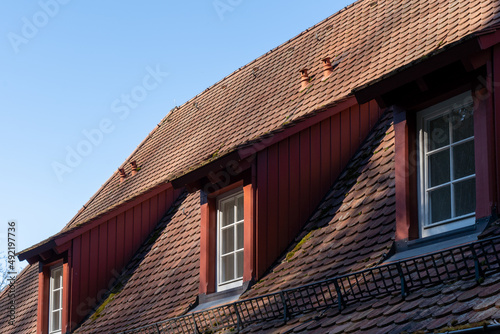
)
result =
(282, 179)
(88, 258)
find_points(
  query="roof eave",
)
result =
(32, 255)
(58, 241)
(448, 54)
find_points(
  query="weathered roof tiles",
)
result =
(162, 280)
(341, 237)
(366, 40)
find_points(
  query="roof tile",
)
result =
(367, 42)
(170, 272)
(372, 40)
(26, 303)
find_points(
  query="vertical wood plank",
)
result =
(145, 220)
(315, 163)
(326, 180)
(273, 200)
(212, 247)
(65, 323)
(336, 162)
(43, 296)
(85, 267)
(94, 264)
(261, 241)
(129, 236)
(176, 193)
(295, 208)
(112, 245)
(374, 112)
(154, 215)
(305, 174)
(76, 297)
(249, 232)
(170, 198)
(205, 263)
(137, 227)
(121, 241)
(345, 147)
(103, 256)
(484, 152)
(402, 179)
(355, 128)
(284, 185)
(495, 68)
(162, 205)
(364, 119)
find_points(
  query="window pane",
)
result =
(462, 123)
(60, 278)
(239, 264)
(56, 300)
(439, 133)
(440, 201)
(228, 213)
(439, 168)
(239, 209)
(56, 279)
(56, 321)
(240, 238)
(227, 270)
(465, 197)
(227, 240)
(463, 160)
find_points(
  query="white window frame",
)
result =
(423, 117)
(238, 281)
(55, 272)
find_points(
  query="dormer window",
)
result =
(447, 179)
(55, 300)
(227, 241)
(230, 240)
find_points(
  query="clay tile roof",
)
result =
(26, 302)
(365, 40)
(329, 250)
(162, 280)
(444, 308)
(352, 230)
(353, 226)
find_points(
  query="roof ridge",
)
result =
(272, 51)
(179, 162)
(227, 77)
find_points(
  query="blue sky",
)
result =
(67, 67)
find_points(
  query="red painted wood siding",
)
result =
(295, 174)
(100, 254)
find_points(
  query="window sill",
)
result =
(220, 298)
(438, 242)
